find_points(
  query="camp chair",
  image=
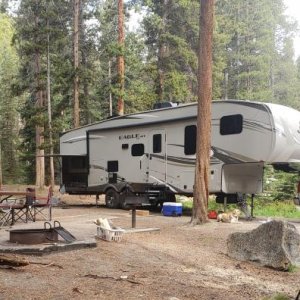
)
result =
(12, 211)
(25, 212)
(43, 206)
(5, 216)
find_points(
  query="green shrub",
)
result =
(279, 185)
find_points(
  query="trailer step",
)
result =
(136, 200)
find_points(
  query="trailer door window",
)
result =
(232, 124)
(190, 134)
(137, 149)
(157, 143)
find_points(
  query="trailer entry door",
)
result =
(157, 156)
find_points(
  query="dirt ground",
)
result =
(177, 262)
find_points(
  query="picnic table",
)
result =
(15, 195)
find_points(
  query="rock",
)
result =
(274, 244)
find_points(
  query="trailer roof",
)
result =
(162, 115)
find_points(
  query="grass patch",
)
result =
(187, 205)
(278, 297)
(293, 269)
(262, 208)
(284, 209)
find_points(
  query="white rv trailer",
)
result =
(153, 153)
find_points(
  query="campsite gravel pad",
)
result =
(178, 262)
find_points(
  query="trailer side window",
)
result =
(156, 143)
(137, 149)
(232, 124)
(112, 166)
(190, 134)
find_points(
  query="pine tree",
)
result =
(3, 6)
(138, 82)
(9, 116)
(253, 37)
(171, 38)
(285, 83)
(139, 77)
(32, 46)
(108, 50)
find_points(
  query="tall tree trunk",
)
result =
(86, 93)
(201, 189)
(162, 53)
(110, 94)
(85, 101)
(39, 136)
(121, 64)
(238, 58)
(76, 112)
(40, 153)
(1, 178)
(50, 110)
(226, 84)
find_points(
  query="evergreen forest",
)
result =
(49, 46)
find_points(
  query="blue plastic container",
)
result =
(172, 209)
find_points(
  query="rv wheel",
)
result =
(112, 198)
(126, 193)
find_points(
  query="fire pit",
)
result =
(39, 236)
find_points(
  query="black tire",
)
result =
(112, 199)
(125, 194)
(124, 206)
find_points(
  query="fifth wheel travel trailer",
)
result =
(153, 153)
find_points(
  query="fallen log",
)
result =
(14, 261)
(94, 276)
(46, 264)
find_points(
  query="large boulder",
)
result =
(274, 244)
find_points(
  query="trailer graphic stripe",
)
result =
(219, 155)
